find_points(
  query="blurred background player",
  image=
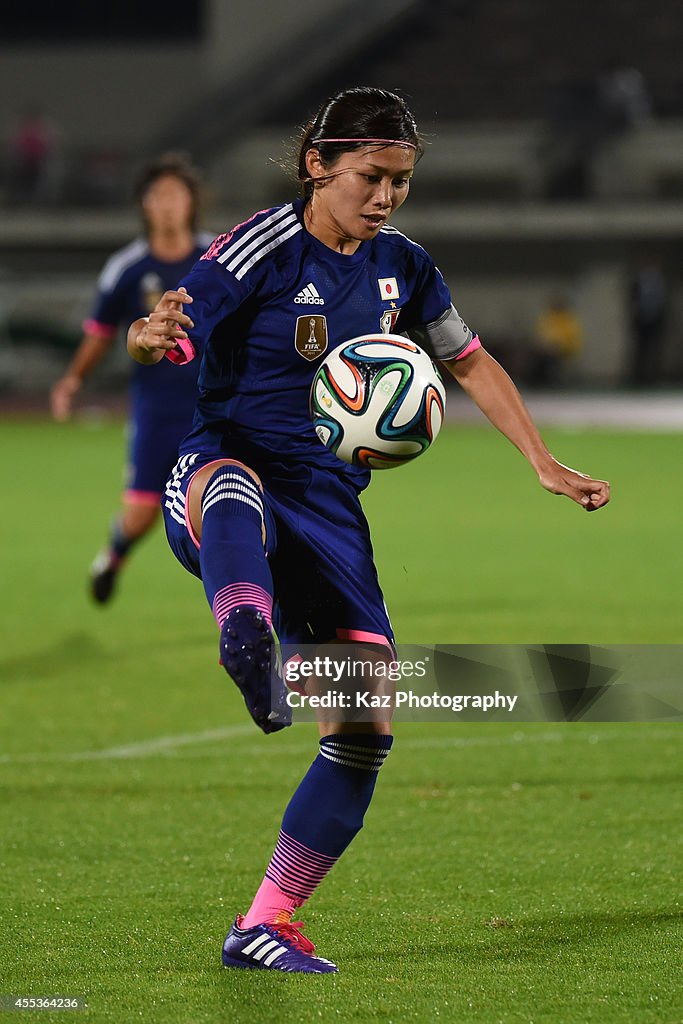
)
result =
(557, 342)
(161, 403)
(649, 302)
(35, 169)
(267, 517)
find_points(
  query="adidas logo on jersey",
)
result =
(309, 296)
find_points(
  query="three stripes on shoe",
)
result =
(264, 946)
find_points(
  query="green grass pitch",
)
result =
(505, 874)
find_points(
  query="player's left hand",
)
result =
(558, 479)
(151, 337)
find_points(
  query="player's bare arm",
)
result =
(89, 354)
(490, 387)
(150, 337)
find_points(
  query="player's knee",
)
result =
(233, 491)
(138, 517)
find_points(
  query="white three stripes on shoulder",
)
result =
(272, 244)
(120, 261)
(264, 225)
(259, 240)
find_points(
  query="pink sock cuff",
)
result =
(268, 903)
(237, 594)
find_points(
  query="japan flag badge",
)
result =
(388, 287)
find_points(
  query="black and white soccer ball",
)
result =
(377, 401)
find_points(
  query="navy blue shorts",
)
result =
(152, 452)
(318, 546)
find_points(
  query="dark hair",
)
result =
(360, 113)
(176, 165)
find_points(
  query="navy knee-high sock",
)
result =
(323, 816)
(233, 562)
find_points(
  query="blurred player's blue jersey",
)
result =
(131, 283)
(163, 398)
(270, 301)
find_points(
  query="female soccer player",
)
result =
(162, 403)
(258, 508)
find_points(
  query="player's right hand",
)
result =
(62, 396)
(151, 337)
(584, 490)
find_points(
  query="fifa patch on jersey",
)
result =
(310, 336)
(388, 287)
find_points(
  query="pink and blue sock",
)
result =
(233, 561)
(322, 818)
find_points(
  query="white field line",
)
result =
(143, 748)
(163, 745)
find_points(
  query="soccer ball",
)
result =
(377, 401)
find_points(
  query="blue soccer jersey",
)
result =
(270, 300)
(131, 283)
